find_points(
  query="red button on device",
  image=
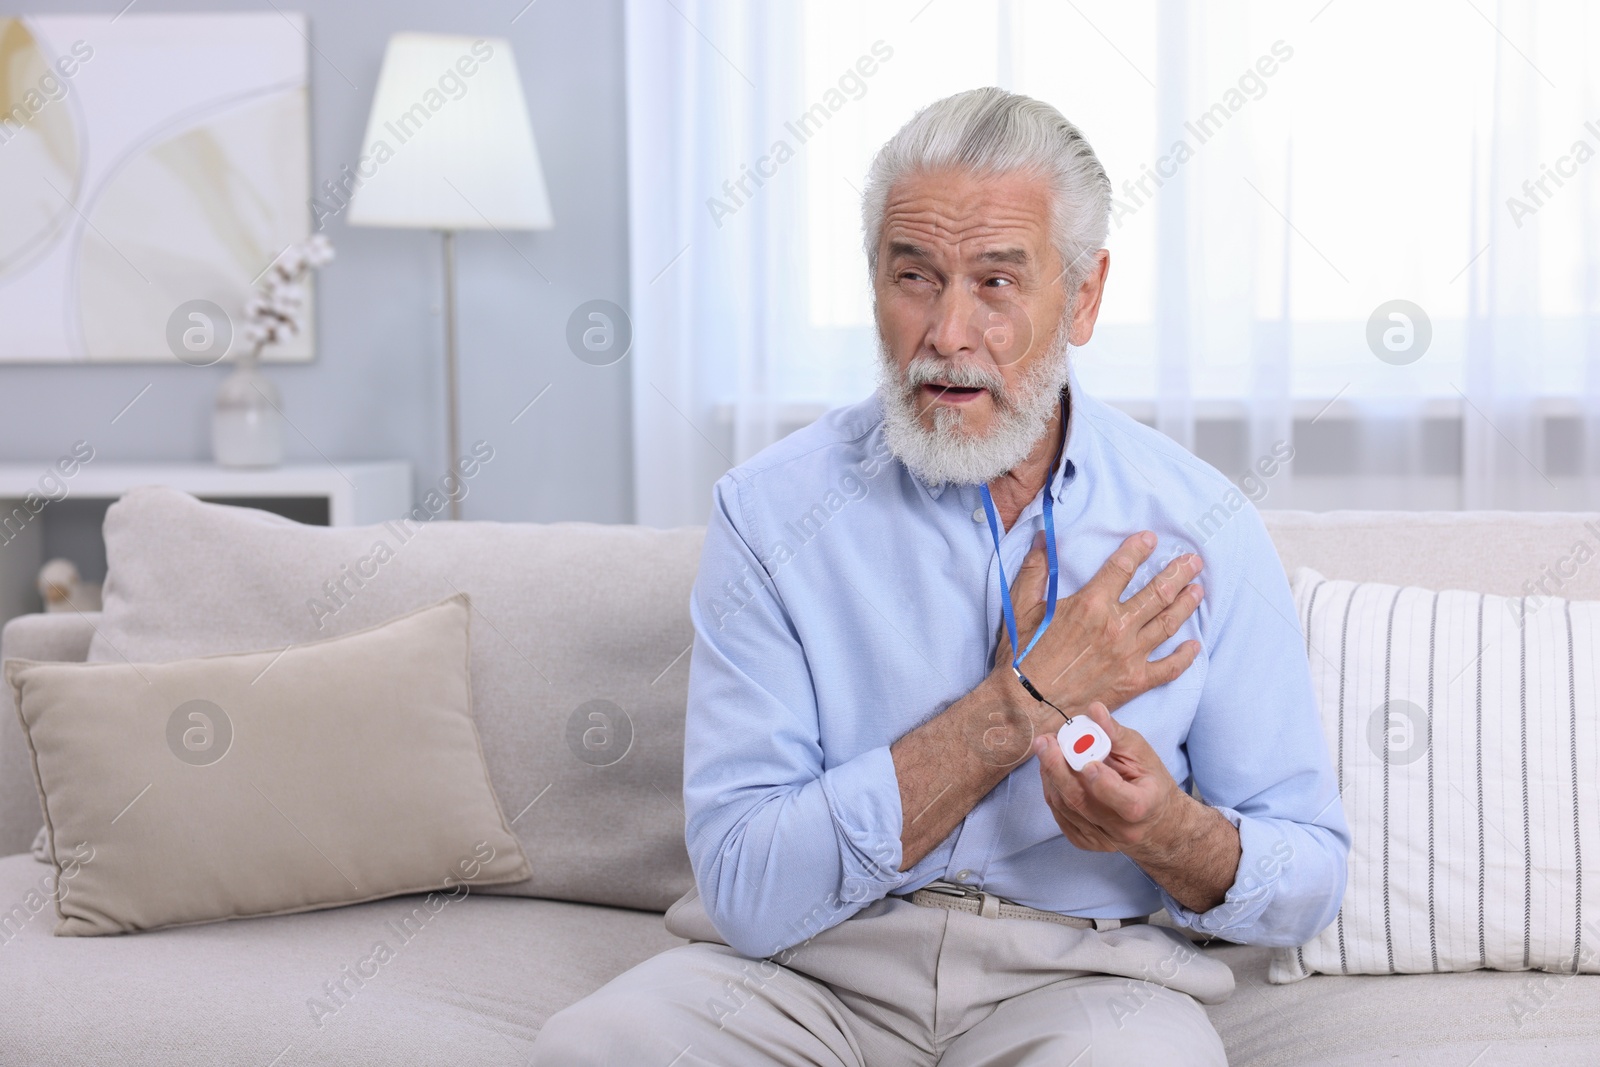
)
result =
(1082, 744)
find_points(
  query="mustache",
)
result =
(927, 370)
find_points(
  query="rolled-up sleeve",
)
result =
(1258, 754)
(784, 844)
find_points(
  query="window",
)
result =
(1318, 167)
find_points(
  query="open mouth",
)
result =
(936, 392)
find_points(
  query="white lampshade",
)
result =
(448, 144)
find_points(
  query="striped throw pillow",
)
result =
(1465, 731)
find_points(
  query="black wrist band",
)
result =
(1023, 678)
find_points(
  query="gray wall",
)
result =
(376, 389)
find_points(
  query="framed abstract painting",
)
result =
(146, 162)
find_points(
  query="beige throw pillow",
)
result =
(267, 782)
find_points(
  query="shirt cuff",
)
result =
(863, 796)
(1262, 853)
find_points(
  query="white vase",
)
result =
(246, 429)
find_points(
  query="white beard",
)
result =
(949, 453)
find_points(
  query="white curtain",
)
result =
(1303, 190)
(713, 265)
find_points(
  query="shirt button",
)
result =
(962, 876)
(978, 515)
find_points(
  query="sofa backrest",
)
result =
(575, 620)
(580, 655)
(1508, 553)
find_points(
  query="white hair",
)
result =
(992, 131)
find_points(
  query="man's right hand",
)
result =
(1098, 647)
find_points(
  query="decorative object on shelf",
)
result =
(64, 589)
(469, 163)
(247, 425)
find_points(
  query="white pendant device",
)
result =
(1082, 741)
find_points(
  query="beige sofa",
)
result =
(597, 609)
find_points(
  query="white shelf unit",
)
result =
(356, 494)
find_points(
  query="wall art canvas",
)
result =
(147, 161)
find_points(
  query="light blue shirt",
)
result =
(841, 603)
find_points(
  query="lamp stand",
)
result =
(451, 372)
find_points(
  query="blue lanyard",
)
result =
(1018, 655)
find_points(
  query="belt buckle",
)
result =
(988, 903)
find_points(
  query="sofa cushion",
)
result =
(476, 982)
(1528, 1019)
(579, 656)
(472, 983)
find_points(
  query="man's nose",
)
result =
(954, 331)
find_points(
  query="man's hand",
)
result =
(1127, 803)
(1131, 804)
(1098, 647)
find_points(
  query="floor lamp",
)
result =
(448, 148)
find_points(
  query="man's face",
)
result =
(970, 294)
(973, 322)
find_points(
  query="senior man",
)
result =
(895, 863)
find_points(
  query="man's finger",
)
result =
(1171, 617)
(1053, 769)
(1117, 571)
(1101, 717)
(1170, 668)
(1076, 825)
(1083, 835)
(1068, 800)
(1102, 785)
(1059, 776)
(1163, 589)
(1075, 830)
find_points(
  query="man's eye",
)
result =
(999, 282)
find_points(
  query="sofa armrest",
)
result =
(55, 636)
(60, 635)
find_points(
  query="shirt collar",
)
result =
(1077, 457)
(1072, 456)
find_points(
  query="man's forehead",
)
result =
(982, 249)
(993, 219)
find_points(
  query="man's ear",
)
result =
(1085, 303)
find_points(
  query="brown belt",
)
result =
(953, 897)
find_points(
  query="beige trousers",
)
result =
(899, 984)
